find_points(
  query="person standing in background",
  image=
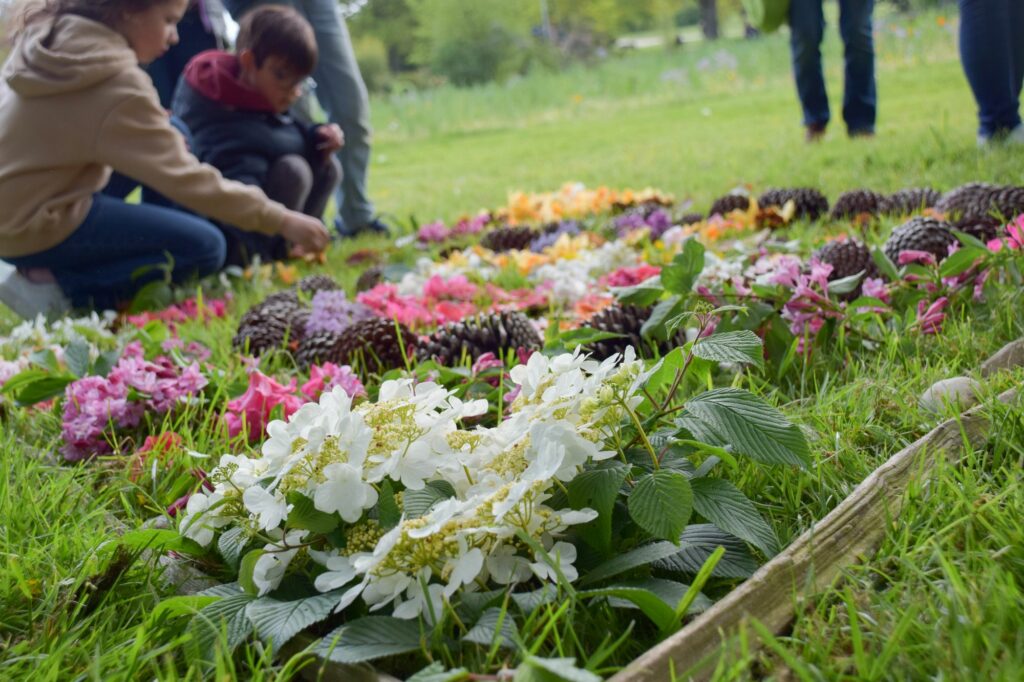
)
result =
(342, 93)
(807, 29)
(992, 53)
(201, 29)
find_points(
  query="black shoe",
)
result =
(376, 226)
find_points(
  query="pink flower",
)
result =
(433, 232)
(450, 311)
(629, 277)
(820, 273)
(911, 256)
(787, 272)
(875, 287)
(931, 317)
(325, 377)
(979, 285)
(485, 362)
(456, 288)
(250, 412)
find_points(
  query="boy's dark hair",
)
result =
(278, 31)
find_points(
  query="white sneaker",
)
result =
(1012, 138)
(29, 299)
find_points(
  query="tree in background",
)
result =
(709, 19)
(394, 24)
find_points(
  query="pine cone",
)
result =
(318, 349)
(291, 312)
(373, 346)
(370, 278)
(857, 204)
(690, 218)
(912, 200)
(980, 200)
(628, 321)
(314, 283)
(261, 334)
(810, 203)
(985, 228)
(509, 238)
(848, 257)
(920, 234)
(495, 333)
(729, 203)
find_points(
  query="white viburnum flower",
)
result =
(564, 554)
(429, 603)
(464, 569)
(340, 572)
(344, 491)
(201, 519)
(273, 563)
(507, 567)
(270, 508)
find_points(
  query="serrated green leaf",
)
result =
(76, 357)
(304, 515)
(641, 556)
(436, 672)
(225, 616)
(661, 503)
(738, 346)
(529, 601)
(656, 325)
(231, 544)
(495, 625)
(279, 621)
(46, 359)
(370, 638)
(105, 362)
(724, 505)
(417, 503)
(666, 371)
(739, 420)
(551, 670)
(388, 513)
(698, 542)
(679, 276)
(643, 294)
(598, 489)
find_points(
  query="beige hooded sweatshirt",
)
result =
(73, 105)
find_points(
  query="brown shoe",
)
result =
(814, 132)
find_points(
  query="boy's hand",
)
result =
(308, 234)
(329, 138)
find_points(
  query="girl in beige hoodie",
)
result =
(74, 104)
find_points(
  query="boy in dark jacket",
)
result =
(237, 109)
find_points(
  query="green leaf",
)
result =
(370, 638)
(724, 505)
(304, 515)
(885, 266)
(436, 672)
(660, 613)
(245, 571)
(279, 621)
(643, 294)
(417, 503)
(739, 346)
(698, 542)
(961, 261)
(181, 605)
(661, 503)
(598, 489)
(231, 544)
(641, 556)
(536, 669)
(388, 512)
(34, 385)
(46, 359)
(970, 240)
(845, 285)
(225, 616)
(666, 371)
(679, 276)
(583, 336)
(529, 601)
(743, 423)
(656, 326)
(105, 362)
(162, 540)
(76, 357)
(495, 625)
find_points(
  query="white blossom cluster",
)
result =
(38, 333)
(497, 528)
(571, 279)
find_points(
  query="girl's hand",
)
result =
(308, 234)
(330, 138)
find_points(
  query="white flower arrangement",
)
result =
(347, 460)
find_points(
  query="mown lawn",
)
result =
(942, 597)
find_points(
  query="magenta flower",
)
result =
(875, 287)
(325, 377)
(920, 257)
(629, 277)
(931, 317)
(433, 232)
(250, 412)
(457, 288)
(1014, 238)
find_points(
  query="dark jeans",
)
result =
(807, 29)
(193, 38)
(992, 51)
(113, 252)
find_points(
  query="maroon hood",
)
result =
(215, 75)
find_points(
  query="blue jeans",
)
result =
(342, 93)
(193, 38)
(807, 29)
(99, 264)
(992, 52)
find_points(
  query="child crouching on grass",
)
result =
(237, 108)
(74, 104)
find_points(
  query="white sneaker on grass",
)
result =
(1013, 138)
(29, 299)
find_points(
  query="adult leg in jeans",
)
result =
(96, 265)
(992, 58)
(807, 28)
(859, 95)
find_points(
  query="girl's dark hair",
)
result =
(105, 11)
(278, 31)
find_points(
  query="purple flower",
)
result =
(333, 312)
(569, 227)
(875, 287)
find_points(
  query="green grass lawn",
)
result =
(941, 599)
